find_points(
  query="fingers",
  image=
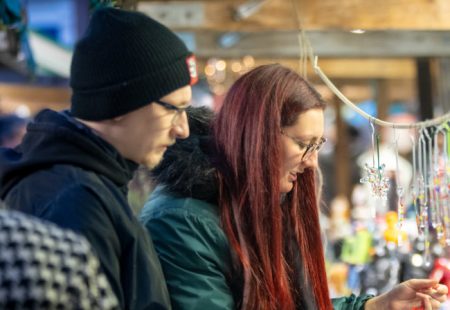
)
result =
(428, 303)
(424, 294)
(441, 289)
(421, 284)
(438, 292)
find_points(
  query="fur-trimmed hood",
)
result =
(186, 169)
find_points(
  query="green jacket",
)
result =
(195, 254)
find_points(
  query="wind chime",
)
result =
(430, 187)
(441, 179)
(375, 176)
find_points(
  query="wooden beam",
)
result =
(349, 69)
(319, 14)
(36, 98)
(377, 15)
(285, 44)
(369, 68)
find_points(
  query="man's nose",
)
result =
(181, 127)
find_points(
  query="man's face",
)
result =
(146, 133)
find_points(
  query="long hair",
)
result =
(254, 216)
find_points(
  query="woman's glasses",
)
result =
(307, 149)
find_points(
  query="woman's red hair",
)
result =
(254, 215)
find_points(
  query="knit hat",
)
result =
(125, 61)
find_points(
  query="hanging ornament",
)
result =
(414, 184)
(400, 195)
(432, 201)
(375, 176)
(441, 178)
(423, 196)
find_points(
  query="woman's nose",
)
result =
(312, 161)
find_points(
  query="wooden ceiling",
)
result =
(218, 15)
(396, 31)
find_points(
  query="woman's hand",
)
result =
(412, 294)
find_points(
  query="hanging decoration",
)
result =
(375, 176)
(441, 178)
(400, 195)
(414, 184)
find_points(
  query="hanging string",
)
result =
(400, 192)
(447, 129)
(428, 123)
(423, 196)
(373, 142)
(421, 184)
(302, 42)
(429, 182)
(414, 185)
(378, 150)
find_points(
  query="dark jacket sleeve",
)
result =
(79, 209)
(351, 302)
(126, 253)
(194, 255)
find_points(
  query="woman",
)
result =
(235, 219)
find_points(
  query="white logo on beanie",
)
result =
(192, 67)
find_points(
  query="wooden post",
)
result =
(382, 99)
(442, 85)
(424, 86)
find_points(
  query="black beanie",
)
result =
(125, 61)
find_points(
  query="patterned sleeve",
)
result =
(42, 264)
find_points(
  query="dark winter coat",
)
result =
(183, 219)
(64, 173)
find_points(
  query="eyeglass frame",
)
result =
(172, 107)
(309, 148)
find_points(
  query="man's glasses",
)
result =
(171, 107)
(307, 149)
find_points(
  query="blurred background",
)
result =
(391, 58)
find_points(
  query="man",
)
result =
(130, 78)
